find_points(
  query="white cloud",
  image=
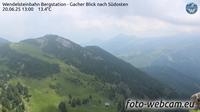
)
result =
(141, 18)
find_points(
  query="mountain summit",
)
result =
(54, 40)
(98, 62)
(52, 68)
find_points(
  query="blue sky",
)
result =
(142, 18)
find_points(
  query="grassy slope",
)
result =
(196, 111)
(45, 99)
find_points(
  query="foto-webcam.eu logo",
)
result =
(191, 8)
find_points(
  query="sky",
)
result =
(142, 18)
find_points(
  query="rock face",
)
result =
(196, 99)
(52, 39)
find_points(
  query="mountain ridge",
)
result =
(92, 58)
(57, 70)
(179, 53)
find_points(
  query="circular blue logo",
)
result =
(191, 8)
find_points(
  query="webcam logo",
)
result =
(191, 8)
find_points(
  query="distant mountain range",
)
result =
(60, 72)
(172, 60)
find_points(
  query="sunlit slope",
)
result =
(49, 91)
(93, 60)
(57, 71)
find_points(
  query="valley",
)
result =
(62, 76)
(171, 60)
